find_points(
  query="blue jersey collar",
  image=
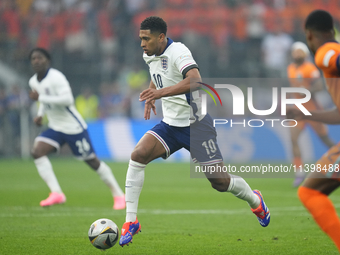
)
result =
(170, 41)
(44, 75)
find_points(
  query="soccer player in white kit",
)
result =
(173, 70)
(51, 88)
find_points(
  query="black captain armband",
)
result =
(184, 72)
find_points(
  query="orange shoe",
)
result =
(119, 203)
(262, 212)
(53, 198)
(129, 229)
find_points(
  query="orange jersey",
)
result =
(327, 59)
(305, 71)
(303, 76)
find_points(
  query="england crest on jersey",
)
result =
(164, 63)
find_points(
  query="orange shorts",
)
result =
(329, 163)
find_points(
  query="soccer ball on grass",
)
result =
(103, 234)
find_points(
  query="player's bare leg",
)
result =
(39, 153)
(224, 182)
(327, 141)
(299, 175)
(147, 149)
(106, 175)
(41, 149)
(322, 132)
(319, 182)
(314, 195)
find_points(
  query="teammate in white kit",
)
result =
(173, 70)
(51, 88)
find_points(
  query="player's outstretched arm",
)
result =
(38, 121)
(150, 105)
(328, 116)
(147, 110)
(63, 99)
(63, 93)
(35, 96)
(317, 86)
(66, 98)
(190, 82)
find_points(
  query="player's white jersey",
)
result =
(55, 96)
(167, 70)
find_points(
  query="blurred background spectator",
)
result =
(13, 106)
(87, 104)
(2, 119)
(275, 48)
(93, 40)
(96, 42)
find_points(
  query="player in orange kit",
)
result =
(326, 178)
(302, 73)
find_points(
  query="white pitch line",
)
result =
(87, 211)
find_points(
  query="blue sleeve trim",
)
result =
(337, 63)
(74, 116)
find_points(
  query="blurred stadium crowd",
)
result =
(95, 44)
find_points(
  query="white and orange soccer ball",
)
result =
(103, 234)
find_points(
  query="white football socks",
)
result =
(45, 171)
(133, 188)
(240, 189)
(105, 173)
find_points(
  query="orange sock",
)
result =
(297, 162)
(323, 211)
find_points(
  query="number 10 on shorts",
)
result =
(210, 147)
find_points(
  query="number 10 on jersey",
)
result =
(158, 80)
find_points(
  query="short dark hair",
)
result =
(319, 20)
(155, 24)
(41, 50)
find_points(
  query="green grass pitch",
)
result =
(178, 214)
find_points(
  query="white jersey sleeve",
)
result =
(184, 62)
(63, 90)
(41, 110)
(57, 102)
